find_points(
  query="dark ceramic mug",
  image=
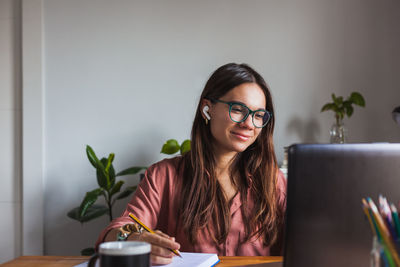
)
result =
(121, 254)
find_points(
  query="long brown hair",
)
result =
(202, 201)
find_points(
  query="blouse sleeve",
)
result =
(145, 203)
(281, 189)
(277, 248)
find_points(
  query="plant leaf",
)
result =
(328, 106)
(131, 170)
(170, 147)
(101, 179)
(116, 188)
(185, 146)
(92, 157)
(129, 190)
(349, 111)
(89, 200)
(110, 175)
(109, 161)
(347, 103)
(93, 212)
(100, 171)
(336, 108)
(339, 101)
(357, 99)
(74, 214)
(87, 251)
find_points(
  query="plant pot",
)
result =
(338, 133)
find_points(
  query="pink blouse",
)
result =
(156, 205)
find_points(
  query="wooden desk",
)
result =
(64, 261)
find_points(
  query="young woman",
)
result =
(225, 196)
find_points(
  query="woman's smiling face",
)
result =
(231, 136)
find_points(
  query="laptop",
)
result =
(325, 223)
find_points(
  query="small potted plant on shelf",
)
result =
(341, 108)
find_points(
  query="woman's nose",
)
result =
(248, 122)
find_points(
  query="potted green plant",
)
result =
(110, 188)
(342, 108)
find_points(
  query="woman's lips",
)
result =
(241, 136)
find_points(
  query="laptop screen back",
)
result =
(325, 223)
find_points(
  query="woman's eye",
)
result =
(259, 116)
(237, 109)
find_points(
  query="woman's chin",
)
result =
(240, 147)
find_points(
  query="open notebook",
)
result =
(194, 260)
(188, 259)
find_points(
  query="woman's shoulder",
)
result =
(168, 168)
(171, 164)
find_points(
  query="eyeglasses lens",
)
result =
(262, 118)
(238, 113)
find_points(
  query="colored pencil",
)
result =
(384, 231)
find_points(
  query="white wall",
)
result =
(124, 76)
(10, 130)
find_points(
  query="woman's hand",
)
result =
(161, 245)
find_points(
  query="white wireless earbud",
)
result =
(205, 112)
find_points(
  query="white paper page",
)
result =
(188, 259)
(194, 260)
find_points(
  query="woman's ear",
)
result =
(205, 112)
(205, 109)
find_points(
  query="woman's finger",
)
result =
(161, 245)
(164, 235)
(161, 233)
(157, 260)
(161, 251)
(159, 240)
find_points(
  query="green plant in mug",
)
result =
(343, 107)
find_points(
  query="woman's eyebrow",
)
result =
(237, 102)
(240, 102)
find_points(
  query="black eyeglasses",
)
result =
(239, 112)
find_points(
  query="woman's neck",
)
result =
(222, 171)
(223, 162)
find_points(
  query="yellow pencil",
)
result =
(150, 231)
(365, 209)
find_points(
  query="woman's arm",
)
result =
(146, 205)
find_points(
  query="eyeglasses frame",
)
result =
(251, 112)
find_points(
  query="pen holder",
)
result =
(381, 256)
(385, 226)
(376, 253)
